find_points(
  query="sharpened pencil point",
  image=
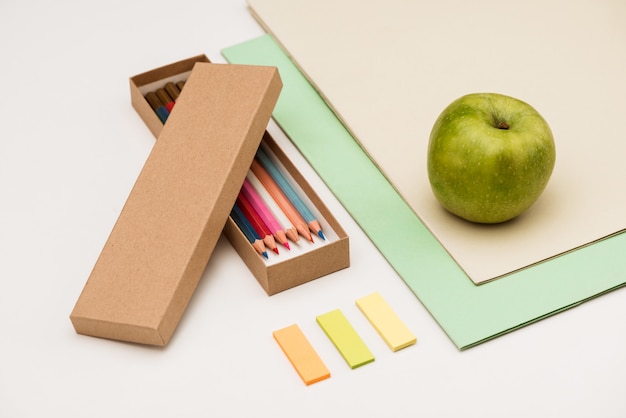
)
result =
(286, 244)
(275, 250)
(265, 254)
(321, 235)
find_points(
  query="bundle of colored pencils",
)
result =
(162, 100)
(270, 210)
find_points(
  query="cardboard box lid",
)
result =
(170, 224)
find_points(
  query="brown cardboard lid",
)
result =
(175, 213)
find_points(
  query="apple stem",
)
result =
(502, 125)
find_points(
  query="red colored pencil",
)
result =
(255, 199)
(256, 222)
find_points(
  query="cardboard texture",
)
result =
(144, 82)
(159, 247)
(469, 314)
(275, 277)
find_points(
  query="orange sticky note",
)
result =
(301, 354)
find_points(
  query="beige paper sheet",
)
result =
(389, 67)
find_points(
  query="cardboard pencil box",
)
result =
(181, 202)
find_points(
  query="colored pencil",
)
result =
(157, 106)
(256, 222)
(264, 213)
(172, 90)
(165, 98)
(290, 230)
(281, 200)
(248, 231)
(290, 192)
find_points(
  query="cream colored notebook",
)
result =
(388, 68)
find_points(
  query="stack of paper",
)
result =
(388, 77)
(388, 68)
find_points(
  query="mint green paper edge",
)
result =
(469, 314)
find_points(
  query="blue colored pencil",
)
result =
(248, 231)
(289, 191)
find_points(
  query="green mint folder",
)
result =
(469, 314)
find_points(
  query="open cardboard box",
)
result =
(305, 261)
(180, 204)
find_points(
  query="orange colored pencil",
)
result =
(282, 201)
(272, 169)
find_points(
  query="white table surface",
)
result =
(71, 147)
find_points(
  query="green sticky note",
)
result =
(345, 338)
(469, 314)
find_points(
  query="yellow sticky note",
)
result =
(345, 338)
(301, 354)
(395, 333)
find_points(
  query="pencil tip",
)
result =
(265, 254)
(286, 244)
(275, 250)
(321, 235)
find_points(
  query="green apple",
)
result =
(490, 157)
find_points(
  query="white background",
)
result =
(71, 147)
